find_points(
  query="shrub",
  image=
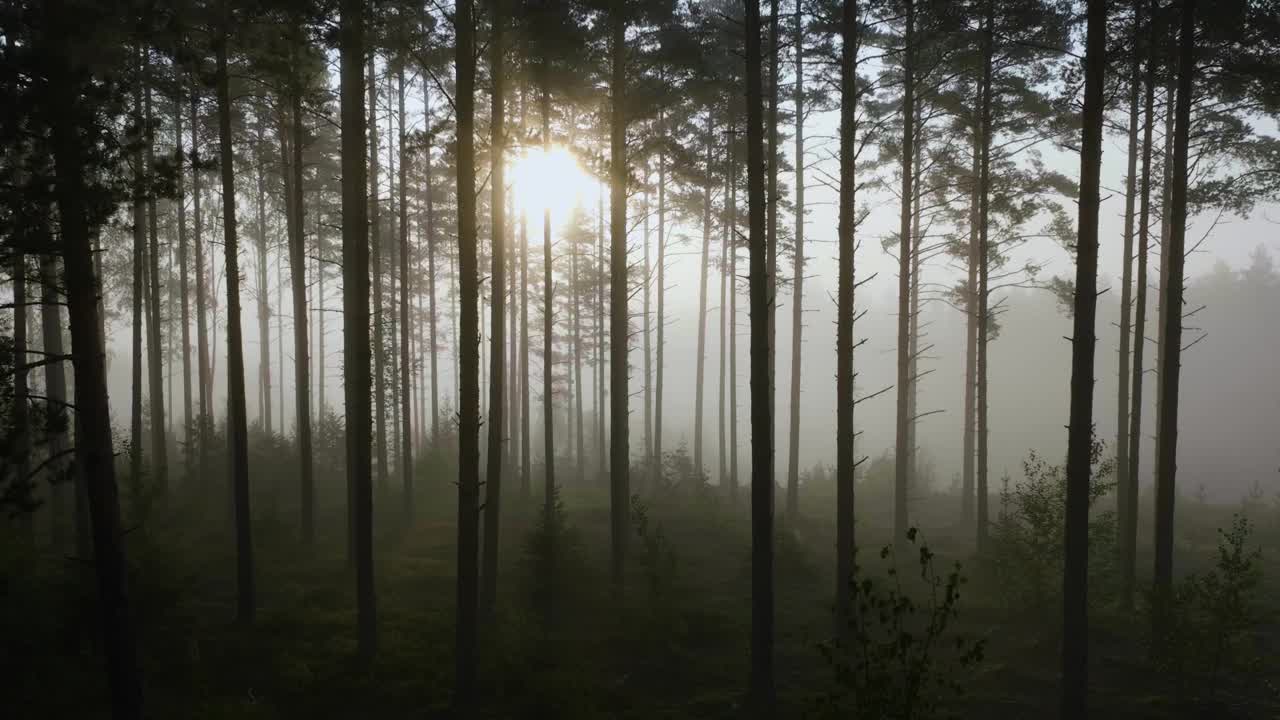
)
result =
(897, 655)
(1027, 539)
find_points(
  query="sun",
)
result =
(550, 179)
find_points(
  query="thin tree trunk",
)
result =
(94, 452)
(661, 319)
(20, 447)
(1129, 502)
(797, 282)
(497, 308)
(771, 224)
(1166, 229)
(733, 318)
(203, 372)
(1075, 619)
(902, 442)
(846, 463)
(647, 387)
(974, 258)
(392, 261)
(183, 261)
(355, 307)
(298, 286)
(155, 344)
(139, 262)
(55, 384)
(722, 468)
(406, 384)
(984, 267)
(469, 395)
(576, 299)
(548, 327)
(432, 345)
(700, 364)
(264, 308)
(1126, 280)
(526, 468)
(761, 683)
(601, 381)
(1166, 460)
(375, 261)
(619, 445)
(237, 425)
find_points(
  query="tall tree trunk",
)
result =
(548, 326)
(20, 448)
(264, 307)
(94, 452)
(432, 345)
(722, 467)
(1129, 502)
(392, 261)
(497, 308)
(797, 281)
(1166, 460)
(661, 319)
(1126, 279)
(846, 463)
(375, 261)
(771, 223)
(155, 343)
(733, 317)
(971, 316)
(355, 310)
(55, 386)
(902, 448)
(619, 423)
(1166, 230)
(237, 424)
(526, 467)
(1075, 619)
(761, 685)
(298, 286)
(986, 133)
(183, 280)
(913, 337)
(203, 372)
(700, 364)
(139, 263)
(469, 395)
(406, 384)
(646, 385)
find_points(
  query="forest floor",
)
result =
(562, 647)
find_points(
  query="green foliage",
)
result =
(898, 656)
(1026, 543)
(1211, 618)
(657, 557)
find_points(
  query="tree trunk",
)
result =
(237, 424)
(392, 262)
(188, 431)
(846, 463)
(139, 263)
(20, 448)
(526, 468)
(155, 343)
(1166, 460)
(497, 308)
(661, 319)
(355, 309)
(94, 452)
(548, 328)
(298, 286)
(1128, 520)
(761, 686)
(375, 261)
(55, 384)
(647, 397)
(722, 467)
(984, 266)
(619, 446)
(203, 372)
(432, 346)
(771, 220)
(1126, 280)
(469, 395)
(1075, 619)
(733, 318)
(973, 259)
(576, 300)
(264, 308)
(406, 384)
(700, 364)
(902, 435)
(797, 282)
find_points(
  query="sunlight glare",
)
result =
(551, 179)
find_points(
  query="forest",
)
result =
(357, 359)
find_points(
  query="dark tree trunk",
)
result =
(55, 383)
(264, 307)
(188, 429)
(406, 384)
(797, 281)
(237, 424)
(298, 287)
(661, 318)
(203, 371)
(497, 308)
(619, 446)
(1167, 457)
(973, 259)
(355, 309)
(771, 226)
(1126, 281)
(548, 329)
(469, 391)
(902, 435)
(1128, 520)
(526, 468)
(700, 363)
(375, 260)
(93, 416)
(761, 685)
(646, 385)
(20, 447)
(1075, 619)
(139, 263)
(155, 347)
(846, 463)
(432, 347)
(733, 318)
(986, 133)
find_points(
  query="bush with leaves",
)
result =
(1213, 617)
(1026, 543)
(897, 655)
